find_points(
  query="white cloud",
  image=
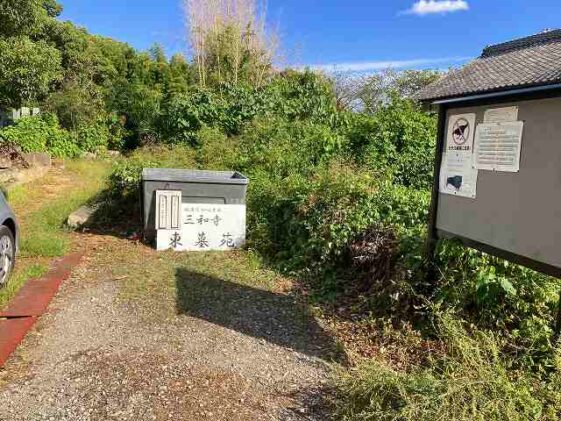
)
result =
(373, 66)
(427, 7)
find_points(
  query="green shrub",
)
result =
(217, 151)
(228, 109)
(118, 133)
(338, 203)
(92, 138)
(472, 380)
(496, 294)
(185, 115)
(295, 95)
(399, 139)
(41, 134)
(241, 105)
(76, 104)
(282, 148)
(307, 222)
(29, 133)
(124, 180)
(63, 145)
(291, 96)
(140, 106)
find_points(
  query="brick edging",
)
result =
(31, 301)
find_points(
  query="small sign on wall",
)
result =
(168, 209)
(206, 227)
(457, 173)
(501, 115)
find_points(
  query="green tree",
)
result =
(179, 76)
(22, 17)
(158, 64)
(27, 70)
(77, 104)
(53, 8)
(157, 53)
(376, 91)
(92, 67)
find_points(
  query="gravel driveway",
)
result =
(98, 354)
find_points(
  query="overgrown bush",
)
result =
(283, 148)
(499, 295)
(92, 138)
(471, 380)
(307, 221)
(41, 134)
(139, 105)
(30, 134)
(118, 133)
(399, 138)
(291, 96)
(124, 180)
(185, 115)
(295, 95)
(310, 223)
(216, 151)
(227, 108)
(63, 145)
(77, 104)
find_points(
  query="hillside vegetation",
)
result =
(338, 197)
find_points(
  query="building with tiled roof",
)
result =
(522, 63)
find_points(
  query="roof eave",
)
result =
(474, 96)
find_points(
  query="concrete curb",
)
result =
(30, 303)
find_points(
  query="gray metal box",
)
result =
(196, 186)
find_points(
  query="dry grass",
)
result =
(472, 380)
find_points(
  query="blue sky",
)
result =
(359, 35)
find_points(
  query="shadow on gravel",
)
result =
(277, 318)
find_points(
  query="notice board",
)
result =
(514, 214)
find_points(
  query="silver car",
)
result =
(9, 240)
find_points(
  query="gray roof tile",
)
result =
(530, 61)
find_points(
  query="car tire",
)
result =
(7, 254)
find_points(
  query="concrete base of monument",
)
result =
(206, 227)
(202, 241)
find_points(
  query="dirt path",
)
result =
(145, 336)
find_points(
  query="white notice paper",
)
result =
(501, 115)
(458, 176)
(498, 146)
(168, 209)
(206, 227)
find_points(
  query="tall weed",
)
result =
(472, 380)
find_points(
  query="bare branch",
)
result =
(230, 40)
